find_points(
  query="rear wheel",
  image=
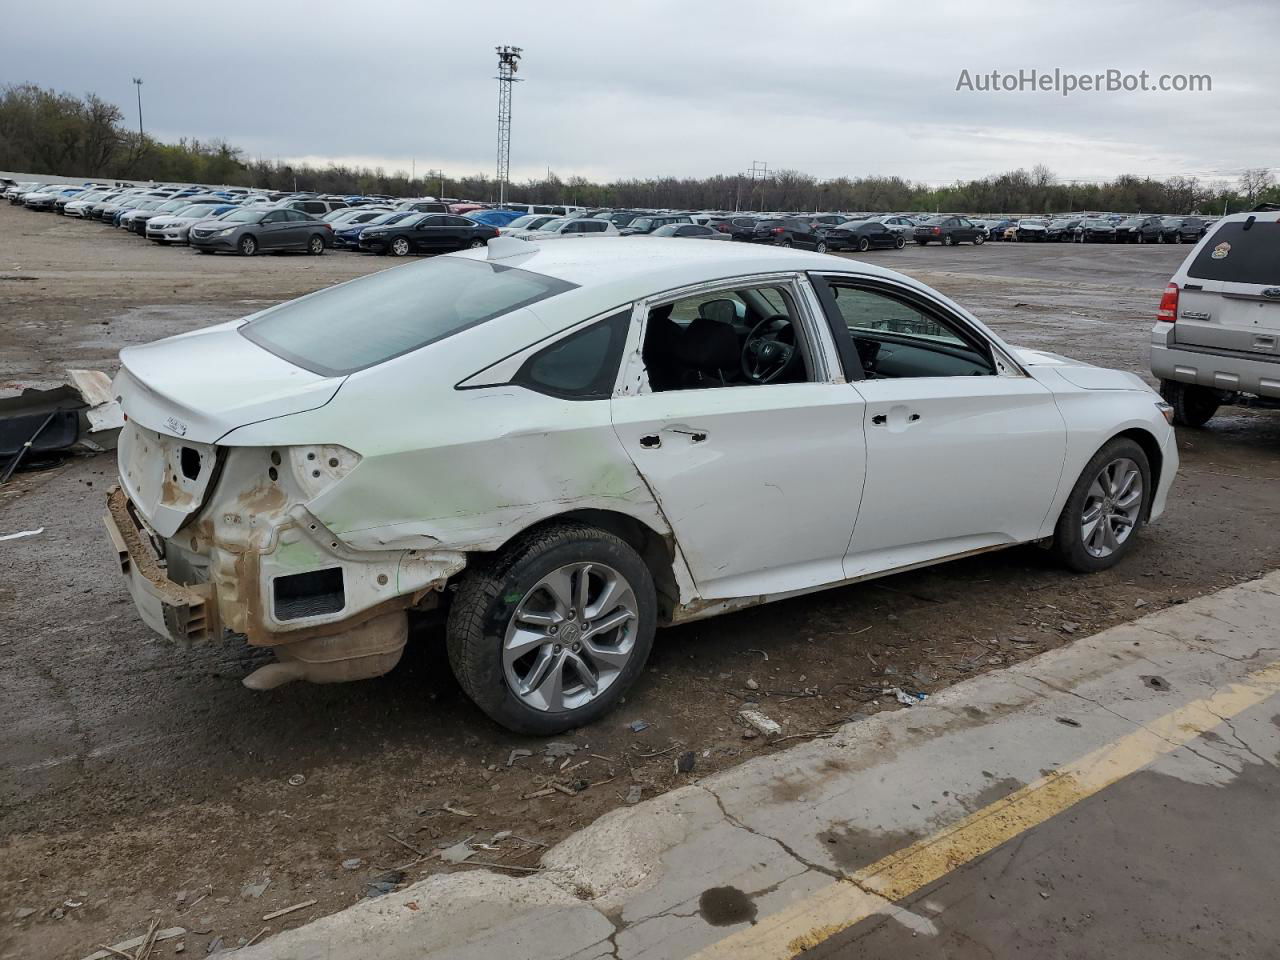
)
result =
(315, 246)
(863, 244)
(1193, 406)
(475, 244)
(550, 633)
(1106, 507)
(784, 243)
(821, 247)
(247, 246)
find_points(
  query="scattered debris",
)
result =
(456, 811)
(761, 652)
(155, 936)
(281, 912)
(23, 533)
(559, 748)
(202, 926)
(638, 726)
(904, 698)
(1070, 627)
(385, 883)
(354, 863)
(23, 912)
(254, 939)
(1068, 721)
(752, 685)
(634, 794)
(686, 761)
(749, 734)
(407, 845)
(537, 793)
(518, 754)
(1023, 640)
(567, 791)
(1139, 602)
(253, 891)
(460, 852)
(214, 945)
(761, 723)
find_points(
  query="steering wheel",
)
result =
(769, 350)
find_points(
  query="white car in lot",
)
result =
(572, 228)
(569, 445)
(176, 227)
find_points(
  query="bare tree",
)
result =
(1255, 182)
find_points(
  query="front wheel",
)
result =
(550, 633)
(247, 246)
(475, 244)
(315, 246)
(784, 243)
(1193, 406)
(821, 247)
(399, 247)
(947, 241)
(1106, 507)
(899, 243)
(979, 240)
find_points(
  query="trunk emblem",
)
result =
(174, 425)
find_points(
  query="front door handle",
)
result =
(693, 433)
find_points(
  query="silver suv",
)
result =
(1217, 335)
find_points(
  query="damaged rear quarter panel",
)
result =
(465, 470)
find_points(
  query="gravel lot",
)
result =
(139, 779)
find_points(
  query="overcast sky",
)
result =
(676, 87)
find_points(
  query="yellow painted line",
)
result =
(870, 890)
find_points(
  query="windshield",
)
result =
(196, 210)
(245, 216)
(368, 321)
(640, 223)
(529, 221)
(551, 226)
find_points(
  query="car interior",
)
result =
(897, 339)
(725, 339)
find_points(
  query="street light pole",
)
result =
(137, 82)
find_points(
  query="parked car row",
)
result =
(1108, 228)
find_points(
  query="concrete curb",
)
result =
(782, 825)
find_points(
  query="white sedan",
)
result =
(572, 228)
(569, 445)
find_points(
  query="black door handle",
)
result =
(879, 419)
(649, 441)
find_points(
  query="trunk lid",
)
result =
(199, 386)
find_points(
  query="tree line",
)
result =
(43, 131)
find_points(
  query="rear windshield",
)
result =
(368, 321)
(1236, 255)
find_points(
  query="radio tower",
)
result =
(508, 61)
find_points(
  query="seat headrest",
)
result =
(709, 345)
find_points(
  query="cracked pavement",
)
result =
(698, 870)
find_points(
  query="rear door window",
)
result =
(1236, 255)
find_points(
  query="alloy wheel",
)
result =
(400, 246)
(570, 637)
(1111, 507)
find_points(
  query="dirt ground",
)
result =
(144, 783)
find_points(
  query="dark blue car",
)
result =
(349, 236)
(495, 218)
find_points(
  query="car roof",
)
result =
(615, 270)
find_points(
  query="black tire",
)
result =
(821, 247)
(1193, 406)
(247, 246)
(1179, 238)
(315, 245)
(1067, 541)
(979, 240)
(475, 244)
(488, 596)
(899, 243)
(399, 247)
(784, 243)
(947, 241)
(863, 244)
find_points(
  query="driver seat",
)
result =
(710, 353)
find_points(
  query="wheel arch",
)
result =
(656, 549)
(1155, 458)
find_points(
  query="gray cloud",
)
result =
(680, 88)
